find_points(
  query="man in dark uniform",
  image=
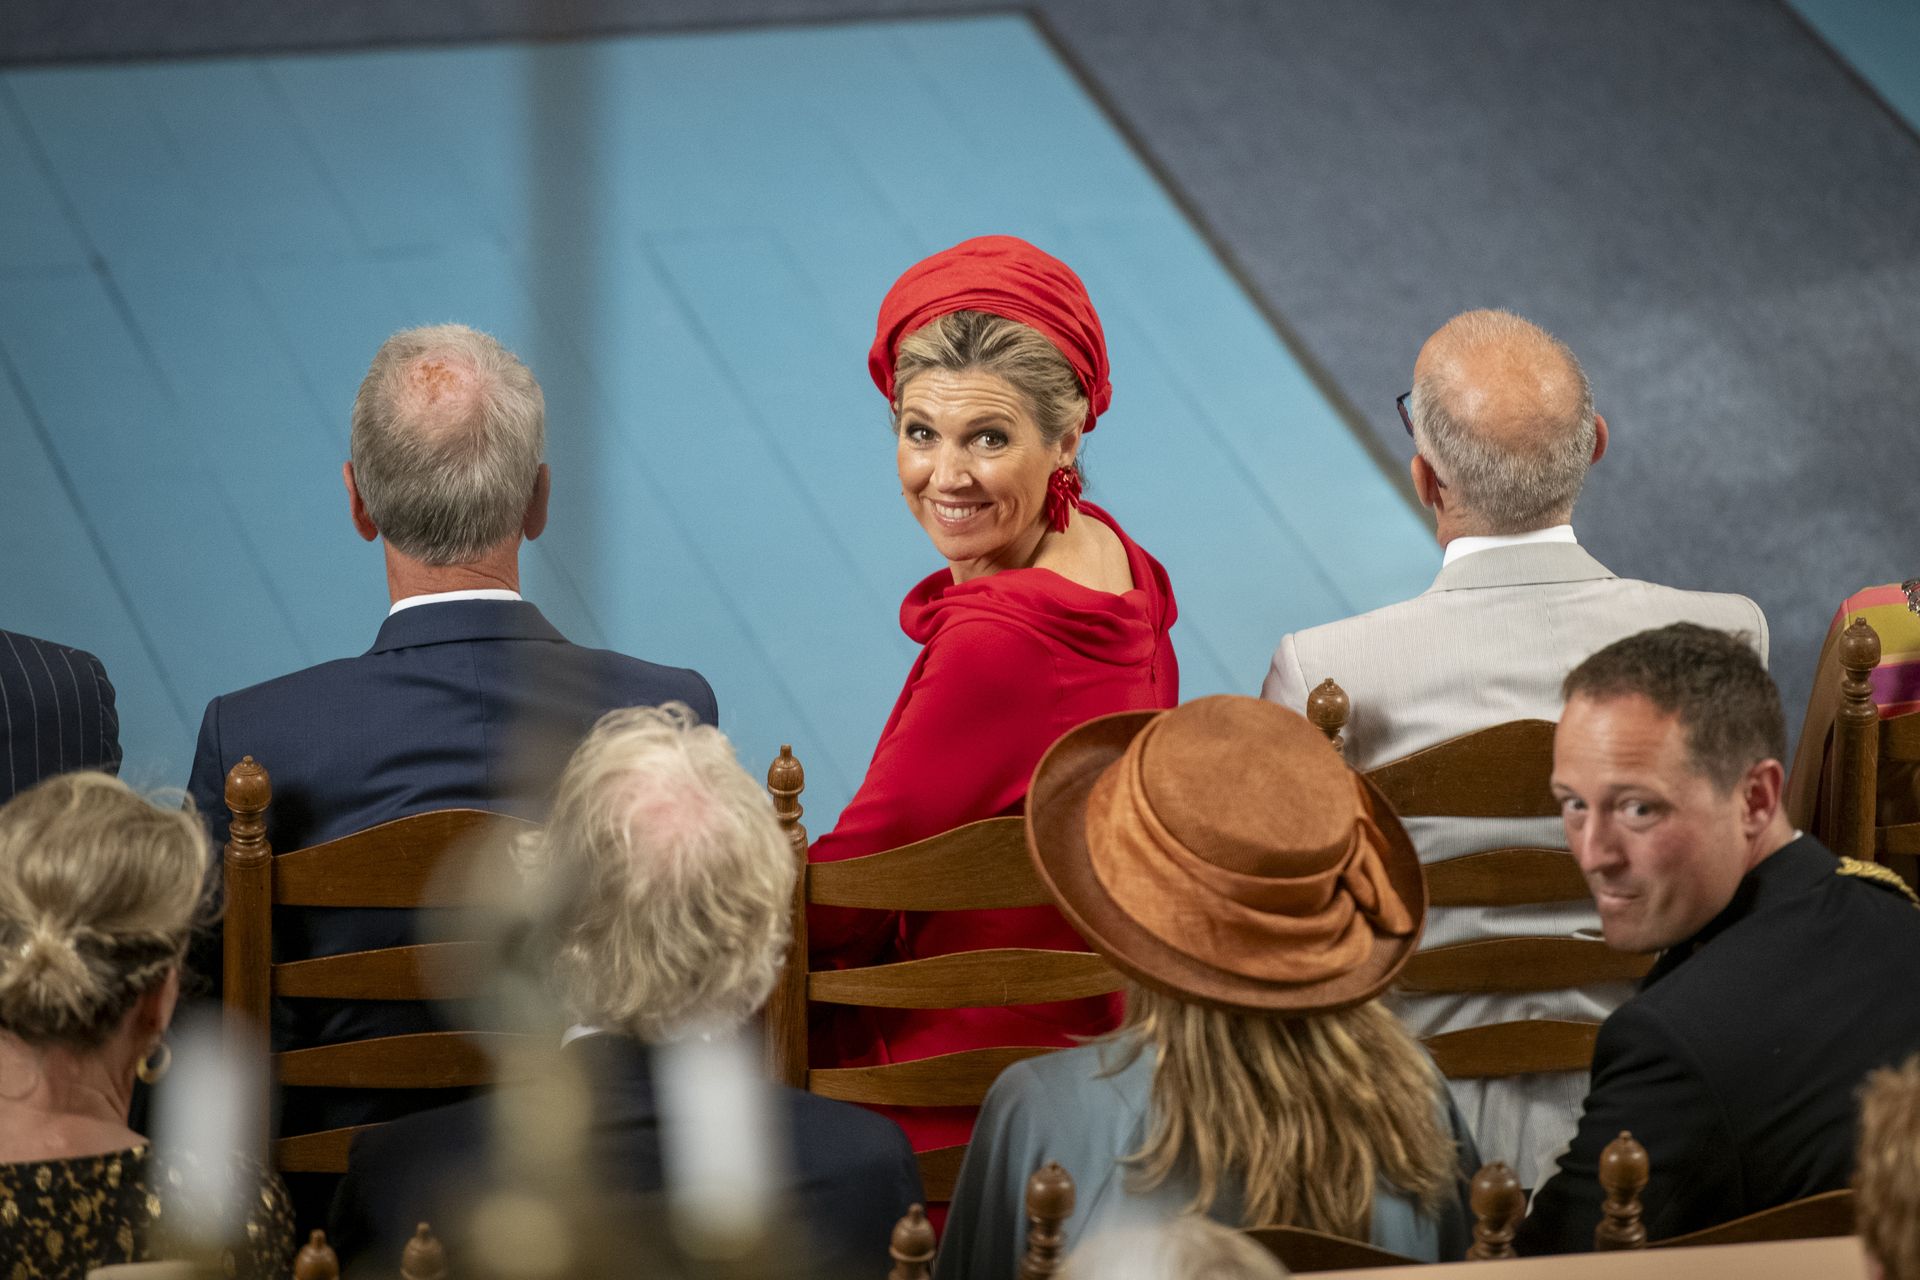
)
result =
(1783, 969)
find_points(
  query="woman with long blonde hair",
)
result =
(1259, 895)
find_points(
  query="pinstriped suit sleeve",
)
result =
(107, 753)
(1286, 683)
(56, 704)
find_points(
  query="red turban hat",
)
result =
(1002, 276)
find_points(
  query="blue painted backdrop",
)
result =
(686, 237)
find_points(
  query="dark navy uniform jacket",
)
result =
(1738, 1062)
(459, 704)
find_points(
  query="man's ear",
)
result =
(1426, 484)
(1599, 439)
(362, 522)
(1762, 792)
(536, 519)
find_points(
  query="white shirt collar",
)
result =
(579, 1031)
(443, 597)
(1467, 546)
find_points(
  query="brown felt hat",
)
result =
(1222, 852)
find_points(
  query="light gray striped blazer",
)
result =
(56, 710)
(1491, 640)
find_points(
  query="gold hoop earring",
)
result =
(155, 1064)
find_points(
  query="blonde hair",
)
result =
(975, 340)
(1188, 1247)
(1887, 1175)
(98, 890)
(1302, 1114)
(676, 879)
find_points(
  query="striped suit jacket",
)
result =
(1491, 640)
(56, 704)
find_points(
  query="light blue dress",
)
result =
(1060, 1107)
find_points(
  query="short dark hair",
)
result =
(1711, 680)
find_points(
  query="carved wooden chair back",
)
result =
(396, 864)
(1624, 1170)
(1498, 772)
(979, 866)
(1865, 749)
(1305, 1251)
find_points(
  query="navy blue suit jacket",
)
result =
(853, 1172)
(459, 704)
(56, 710)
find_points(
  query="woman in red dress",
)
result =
(1045, 616)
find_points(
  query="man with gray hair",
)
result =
(469, 698)
(1504, 428)
(663, 894)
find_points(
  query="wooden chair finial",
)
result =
(249, 791)
(785, 781)
(1498, 1206)
(316, 1260)
(1328, 707)
(424, 1258)
(1623, 1176)
(912, 1248)
(1853, 782)
(1049, 1204)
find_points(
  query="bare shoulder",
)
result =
(1089, 553)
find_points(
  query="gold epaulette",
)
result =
(1874, 873)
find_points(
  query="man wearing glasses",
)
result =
(1504, 429)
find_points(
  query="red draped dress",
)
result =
(1008, 663)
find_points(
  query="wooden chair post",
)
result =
(1049, 1205)
(1623, 1176)
(912, 1247)
(1856, 746)
(786, 1013)
(424, 1258)
(1328, 707)
(247, 923)
(1498, 1206)
(316, 1260)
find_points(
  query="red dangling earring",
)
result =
(1063, 497)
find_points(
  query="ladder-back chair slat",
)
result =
(397, 864)
(423, 1060)
(940, 1169)
(968, 979)
(323, 1152)
(1506, 878)
(1898, 841)
(1516, 965)
(949, 1080)
(1498, 772)
(1900, 739)
(980, 866)
(424, 971)
(1502, 1049)
(1814, 1217)
(1305, 1251)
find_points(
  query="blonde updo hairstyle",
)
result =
(98, 889)
(975, 341)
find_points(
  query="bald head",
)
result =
(448, 430)
(1504, 413)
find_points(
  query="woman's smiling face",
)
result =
(974, 468)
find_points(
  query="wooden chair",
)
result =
(391, 865)
(1624, 1169)
(1304, 1250)
(1864, 748)
(978, 866)
(1049, 1205)
(1498, 772)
